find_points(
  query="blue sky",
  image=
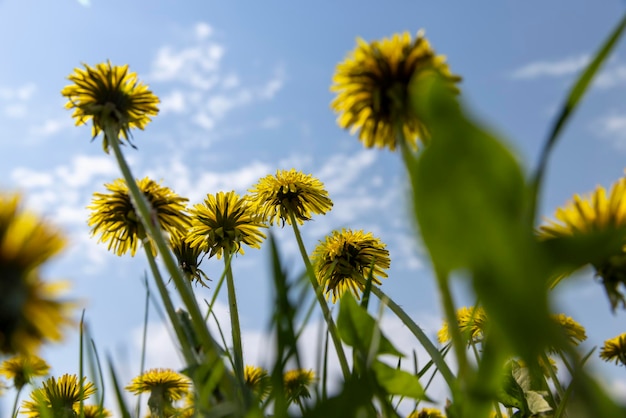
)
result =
(245, 91)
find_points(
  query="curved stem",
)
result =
(332, 328)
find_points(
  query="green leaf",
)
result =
(398, 382)
(357, 329)
(470, 200)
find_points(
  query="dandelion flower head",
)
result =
(110, 93)
(297, 384)
(346, 259)
(471, 321)
(573, 330)
(30, 311)
(58, 397)
(427, 413)
(614, 349)
(223, 222)
(290, 192)
(171, 385)
(372, 86)
(189, 258)
(596, 212)
(113, 214)
(21, 369)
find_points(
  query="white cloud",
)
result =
(192, 66)
(274, 85)
(84, 168)
(203, 30)
(28, 178)
(173, 102)
(556, 68)
(270, 123)
(340, 171)
(611, 77)
(51, 126)
(613, 128)
(22, 93)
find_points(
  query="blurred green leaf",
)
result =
(398, 382)
(471, 201)
(356, 328)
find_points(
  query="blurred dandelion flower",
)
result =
(189, 258)
(472, 321)
(106, 92)
(372, 86)
(30, 311)
(614, 350)
(594, 213)
(58, 398)
(113, 214)
(164, 385)
(94, 411)
(290, 192)
(297, 384)
(427, 413)
(223, 222)
(573, 330)
(346, 259)
(257, 379)
(22, 368)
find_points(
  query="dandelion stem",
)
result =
(15, 402)
(235, 330)
(332, 328)
(154, 230)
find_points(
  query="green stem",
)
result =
(235, 330)
(430, 348)
(144, 339)
(182, 285)
(15, 402)
(332, 328)
(553, 376)
(188, 353)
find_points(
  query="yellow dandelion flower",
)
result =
(110, 93)
(290, 192)
(22, 368)
(113, 215)
(297, 383)
(31, 312)
(345, 260)
(94, 411)
(257, 379)
(472, 321)
(189, 258)
(223, 222)
(169, 384)
(573, 330)
(58, 397)
(614, 350)
(372, 86)
(595, 212)
(427, 413)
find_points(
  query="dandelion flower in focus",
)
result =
(595, 213)
(297, 383)
(58, 397)
(113, 214)
(372, 86)
(472, 322)
(22, 368)
(30, 311)
(614, 350)
(346, 259)
(223, 222)
(107, 92)
(290, 192)
(164, 385)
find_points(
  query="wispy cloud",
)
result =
(14, 101)
(551, 68)
(612, 128)
(200, 87)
